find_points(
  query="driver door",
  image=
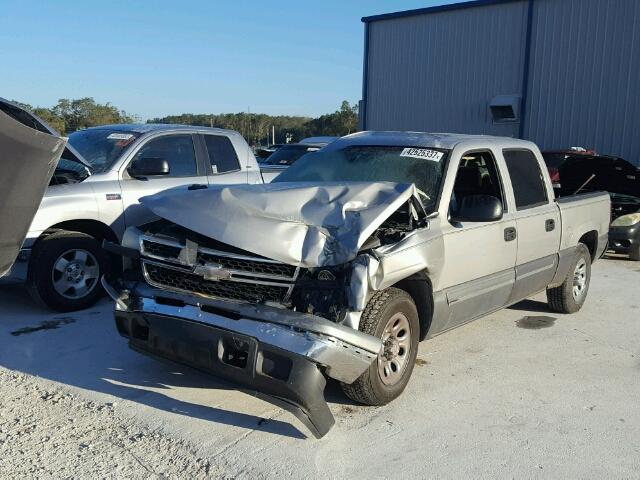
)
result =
(184, 169)
(480, 257)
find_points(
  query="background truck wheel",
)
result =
(65, 271)
(569, 297)
(392, 316)
(634, 253)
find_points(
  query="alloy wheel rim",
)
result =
(396, 340)
(580, 279)
(75, 274)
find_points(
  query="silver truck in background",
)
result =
(93, 196)
(341, 265)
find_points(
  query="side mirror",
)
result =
(148, 167)
(479, 208)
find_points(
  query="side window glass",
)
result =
(222, 155)
(526, 177)
(177, 150)
(477, 175)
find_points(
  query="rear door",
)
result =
(28, 157)
(222, 160)
(185, 168)
(537, 222)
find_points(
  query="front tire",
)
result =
(65, 271)
(570, 296)
(390, 315)
(634, 253)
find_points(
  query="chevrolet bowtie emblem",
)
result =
(212, 271)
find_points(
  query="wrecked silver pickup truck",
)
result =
(350, 257)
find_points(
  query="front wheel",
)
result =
(65, 271)
(390, 315)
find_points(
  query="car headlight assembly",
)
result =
(626, 220)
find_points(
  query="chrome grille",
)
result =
(246, 278)
(160, 250)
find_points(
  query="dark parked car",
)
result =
(262, 153)
(584, 172)
(554, 159)
(287, 155)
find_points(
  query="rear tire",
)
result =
(65, 271)
(392, 316)
(570, 296)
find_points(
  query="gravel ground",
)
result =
(523, 393)
(46, 431)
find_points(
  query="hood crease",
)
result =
(303, 224)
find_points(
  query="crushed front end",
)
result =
(259, 323)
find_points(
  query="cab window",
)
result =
(177, 150)
(526, 178)
(477, 175)
(222, 155)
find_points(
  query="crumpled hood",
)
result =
(303, 224)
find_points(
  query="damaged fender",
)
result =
(420, 251)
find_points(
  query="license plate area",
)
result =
(237, 350)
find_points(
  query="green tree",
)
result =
(85, 112)
(256, 127)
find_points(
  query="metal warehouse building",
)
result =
(559, 72)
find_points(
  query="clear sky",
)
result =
(153, 58)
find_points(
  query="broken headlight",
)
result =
(321, 291)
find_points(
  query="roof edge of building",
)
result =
(434, 9)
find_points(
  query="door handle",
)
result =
(549, 225)
(510, 234)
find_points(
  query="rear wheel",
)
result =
(570, 296)
(65, 271)
(390, 315)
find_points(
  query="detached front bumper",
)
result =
(280, 354)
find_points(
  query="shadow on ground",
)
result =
(83, 349)
(531, 306)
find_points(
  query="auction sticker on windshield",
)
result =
(120, 136)
(425, 153)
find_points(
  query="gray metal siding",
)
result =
(584, 83)
(439, 71)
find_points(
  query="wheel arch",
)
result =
(95, 228)
(590, 240)
(419, 287)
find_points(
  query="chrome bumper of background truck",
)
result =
(278, 353)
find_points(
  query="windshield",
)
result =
(423, 167)
(101, 147)
(288, 154)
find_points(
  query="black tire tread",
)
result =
(362, 390)
(38, 258)
(560, 299)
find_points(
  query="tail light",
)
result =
(554, 173)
